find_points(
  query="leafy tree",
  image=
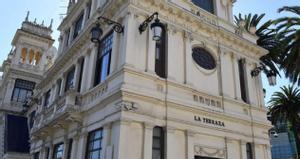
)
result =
(285, 105)
(268, 38)
(290, 58)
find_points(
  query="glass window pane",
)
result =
(22, 95)
(97, 144)
(156, 154)
(105, 67)
(157, 132)
(156, 143)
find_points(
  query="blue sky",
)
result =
(13, 12)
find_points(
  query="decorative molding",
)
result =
(209, 151)
(126, 106)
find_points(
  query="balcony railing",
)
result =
(62, 109)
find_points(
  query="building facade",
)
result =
(31, 55)
(188, 95)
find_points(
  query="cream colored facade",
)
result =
(32, 54)
(133, 99)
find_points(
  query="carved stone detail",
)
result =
(209, 151)
(126, 106)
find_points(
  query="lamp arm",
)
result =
(145, 24)
(117, 26)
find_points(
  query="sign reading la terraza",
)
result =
(209, 121)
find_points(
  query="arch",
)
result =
(23, 55)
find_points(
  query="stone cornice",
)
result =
(21, 32)
(185, 20)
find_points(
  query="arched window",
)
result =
(249, 151)
(23, 55)
(31, 57)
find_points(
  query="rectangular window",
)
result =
(70, 148)
(58, 151)
(78, 26)
(47, 152)
(58, 87)
(89, 9)
(22, 90)
(67, 37)
(80, 75)
(70, 81)
(94, 145)
(160, 56)
(103, 59)
(158, 143)
(47, 98)
(249, 151)
(242, 76)
(207, 5)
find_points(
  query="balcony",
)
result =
(65, 109)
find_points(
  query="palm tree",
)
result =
(290, 59)
(268, 39)
(285, 105)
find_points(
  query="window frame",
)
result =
(70, 81)
(161, 138)
(47, 98)
(19, 88)
(90, 142)
(56, 151)
(78, 25)
(212, 11)
(100, 56)
(161, 54)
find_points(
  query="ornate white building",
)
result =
(133, 94)
(32, 54)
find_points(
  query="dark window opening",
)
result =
(58, 91)
(161, 55)
(16, 136)
(78, 26)
(94, 145)
(242, 76)
(36, 155)
(47, 153)
(158, 144)
(199, 157)
(89, 9)
(104, 59)
(67, 37)
(47, 98)
(249, 151)
(58, 151)
(207, 5)
(203, 58)
(80, 75)
(22, 90)
(70, 81)
(70, 149)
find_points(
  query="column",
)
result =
(71, 35)
(81, 150)
(9, 91)
(243, 153)
(169, 151)
(77, 75)
(107, 146)
(148, 133)
(75, 146)
(51, 151)
(66, 148)
(187, 59)
(237, 91)
(63, 85)
(85, 73)
(151, 46)
(92, 67)
(190, 144)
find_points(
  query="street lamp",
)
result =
(96, 31)
(157, 27)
